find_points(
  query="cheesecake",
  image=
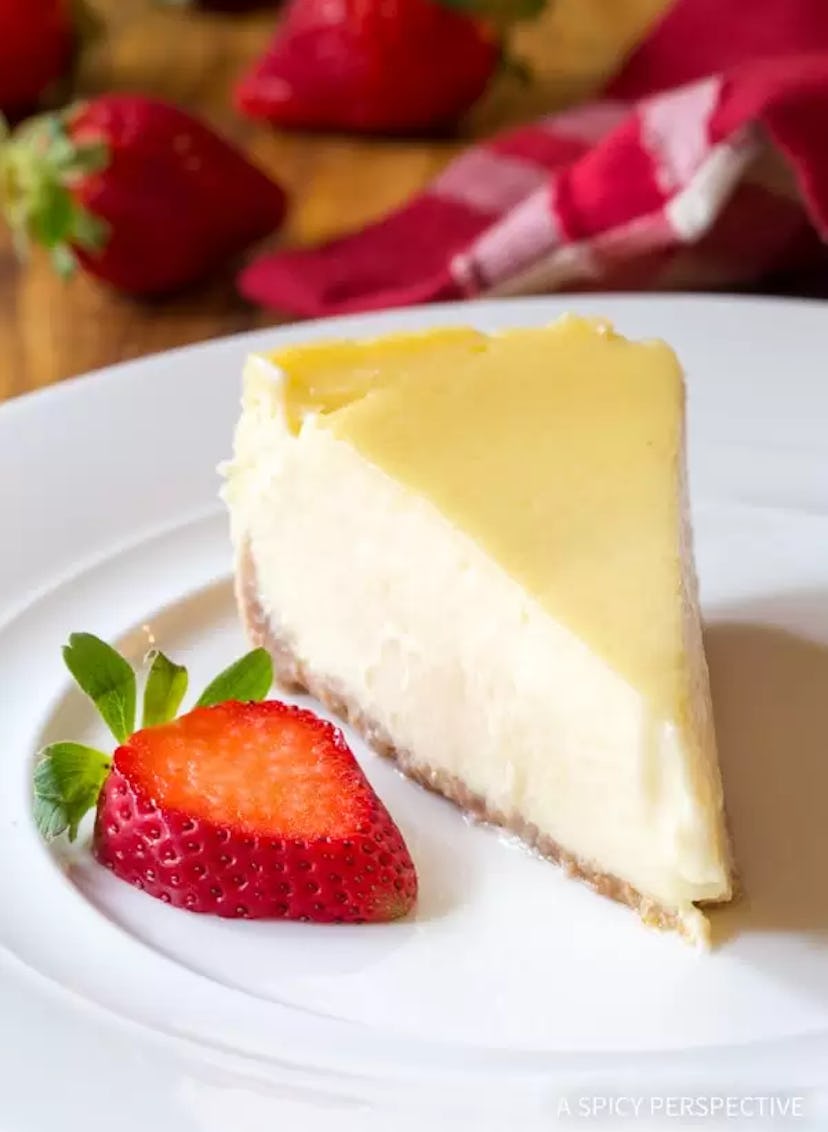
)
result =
(476, 549)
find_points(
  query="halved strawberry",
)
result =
(239, 808)
(253, 810)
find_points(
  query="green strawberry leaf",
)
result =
(106, 678)
(87, 231)
(67, 781)
(64, 261)
(248, 680)
(164, 690)
(76, 161)
(52, 218)
(502, 13)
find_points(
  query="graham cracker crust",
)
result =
(292, 675)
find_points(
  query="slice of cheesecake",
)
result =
(477, 550)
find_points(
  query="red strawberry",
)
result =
(376, 66)
(144, 196)
(241, 809)
(37, 40)
(253, 810)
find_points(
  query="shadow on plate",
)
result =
(770, 696)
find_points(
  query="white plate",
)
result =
(512, 987)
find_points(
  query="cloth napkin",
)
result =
(704, 163)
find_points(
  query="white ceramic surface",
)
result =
(511, 988)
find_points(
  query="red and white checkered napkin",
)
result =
(675, 178)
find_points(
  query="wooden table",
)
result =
(50, 330)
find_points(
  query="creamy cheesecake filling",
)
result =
(448, 644)
(451, 658)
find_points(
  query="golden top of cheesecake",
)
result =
(558, 450)
(321, 377)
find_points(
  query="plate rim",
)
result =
(81, 385)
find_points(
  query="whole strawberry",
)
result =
(137, 191)
(378, 66)
(239, 808)
(37, 40)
